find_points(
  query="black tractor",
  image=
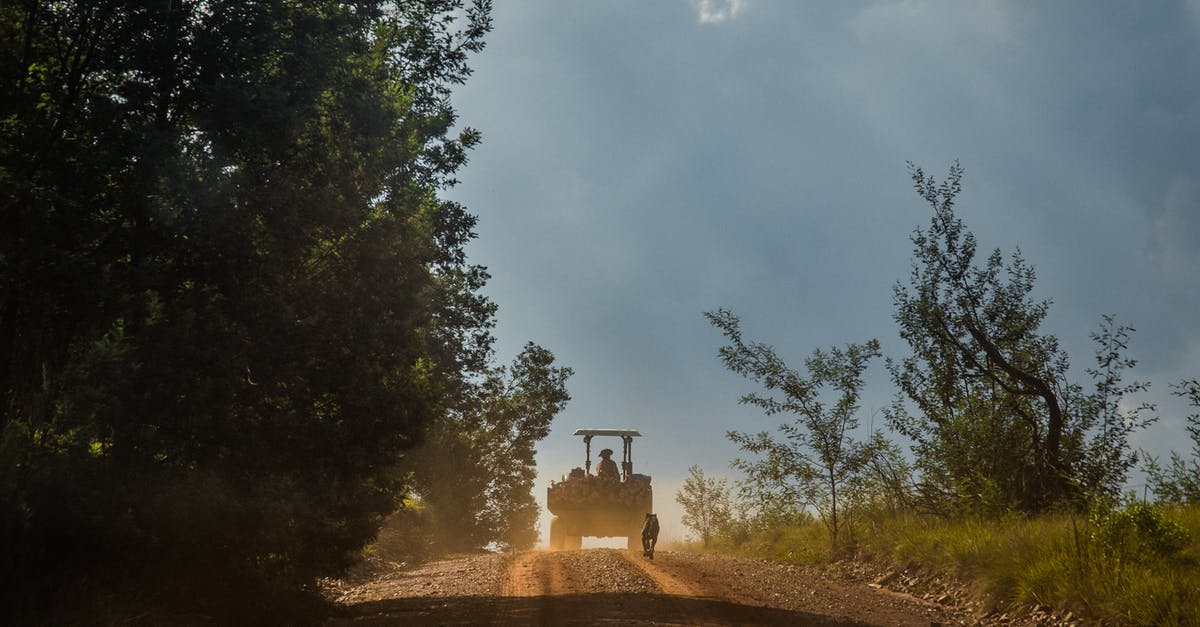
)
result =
(610, 502)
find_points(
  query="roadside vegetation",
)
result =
(238, 326)
(1014, 475)
(1139, 564)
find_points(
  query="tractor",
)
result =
(608, 503)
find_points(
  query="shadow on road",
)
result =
(574, 609)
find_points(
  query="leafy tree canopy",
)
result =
(997, 423)
(707, 504)
(230, 294)
(476, 470)
(818, 457)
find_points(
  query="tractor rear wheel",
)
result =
(557, 535)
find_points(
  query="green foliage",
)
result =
(885, 484)
(804, 542)
(476, 471)
(997, 425)
(1180, 482)
(818, 463)
(707, 507)
(1140, 531)
(1013, 562)
(1177, 483)
(229, 293)
(1007, 450)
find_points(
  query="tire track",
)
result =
(616, 587)
(523, 577)
(538, 575)
(681, 588)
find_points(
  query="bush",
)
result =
(1140, 532)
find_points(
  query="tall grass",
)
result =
(1116, 567)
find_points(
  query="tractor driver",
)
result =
(607, 468)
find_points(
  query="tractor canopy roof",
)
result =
(614, 432)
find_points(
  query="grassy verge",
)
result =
(1139, 566)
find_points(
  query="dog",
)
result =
(649, 535)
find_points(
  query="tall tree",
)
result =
(229, 292)
(819, 454)
(998, 424)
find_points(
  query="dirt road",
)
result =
(618, 587)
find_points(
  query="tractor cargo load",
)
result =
(611, 502)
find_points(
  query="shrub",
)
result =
(1139, 532)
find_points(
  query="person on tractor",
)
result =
(607, 468)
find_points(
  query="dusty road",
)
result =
(608, 586)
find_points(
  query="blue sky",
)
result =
(644, 162)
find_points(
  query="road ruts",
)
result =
(806, 593)
(616, 587)
(706, 601)
(538, 577)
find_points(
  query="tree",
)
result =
(1106, 458)
(230, 295)
(706, 504)
(476, 469)
(818, 456)
(1180, 482)
(998, 424)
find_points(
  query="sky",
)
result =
(645, 162)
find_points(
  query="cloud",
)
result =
(718, 11)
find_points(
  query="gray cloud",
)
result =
(637, 170)
(718, 11)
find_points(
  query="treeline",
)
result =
(232, 297)
(985, 400)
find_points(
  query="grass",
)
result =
(1104, 568)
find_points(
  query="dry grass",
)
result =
(1093, 566)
